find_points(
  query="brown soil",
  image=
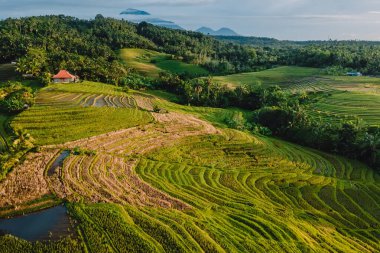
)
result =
(26, 182)
(139, 140)
(108, 176)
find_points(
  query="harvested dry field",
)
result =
(26, 182)
(140, 140)
(107, 176)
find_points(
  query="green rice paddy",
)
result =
(68, 112)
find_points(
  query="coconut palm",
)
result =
(23, 140)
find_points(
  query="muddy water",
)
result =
(49, 224)
(58, 162)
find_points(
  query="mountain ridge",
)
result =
(224, 31)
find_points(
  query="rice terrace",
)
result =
(125, 136)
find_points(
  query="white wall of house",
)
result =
(68, 80)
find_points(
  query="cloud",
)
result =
(171, 2)
(284, 19)
(136, 12)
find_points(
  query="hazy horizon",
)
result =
(286, 19)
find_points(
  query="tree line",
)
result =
(89, 48)
(349, 55)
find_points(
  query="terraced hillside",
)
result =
(222, 193)
(172, 182)
(344, 97)
(351, 105)
(350, 98)
(254, 194)
(151, 63)
(66, 112)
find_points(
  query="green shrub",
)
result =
(15, 97)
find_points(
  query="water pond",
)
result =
(49, 224)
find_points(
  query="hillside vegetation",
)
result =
(7, 72)
(90, 48)
(151, 63)
(282, 76)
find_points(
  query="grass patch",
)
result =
(151, 63)
(282, 76)
(87, 87)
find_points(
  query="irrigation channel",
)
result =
(58, 162)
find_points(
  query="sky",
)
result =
(281, 19)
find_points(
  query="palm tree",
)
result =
(198, 90)
(22, 66)
(23, 140)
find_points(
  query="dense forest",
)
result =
(89, 48)
(361, 56)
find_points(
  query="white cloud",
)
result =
(171, 2)
(288, 19)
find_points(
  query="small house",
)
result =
(354, 74)
(64, 76)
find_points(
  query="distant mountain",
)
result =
(221, 32)
(138, 16)
(163, 23)
(226, 32)
(130, 11)
(206, 30)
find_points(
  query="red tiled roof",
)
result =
(63, 74)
